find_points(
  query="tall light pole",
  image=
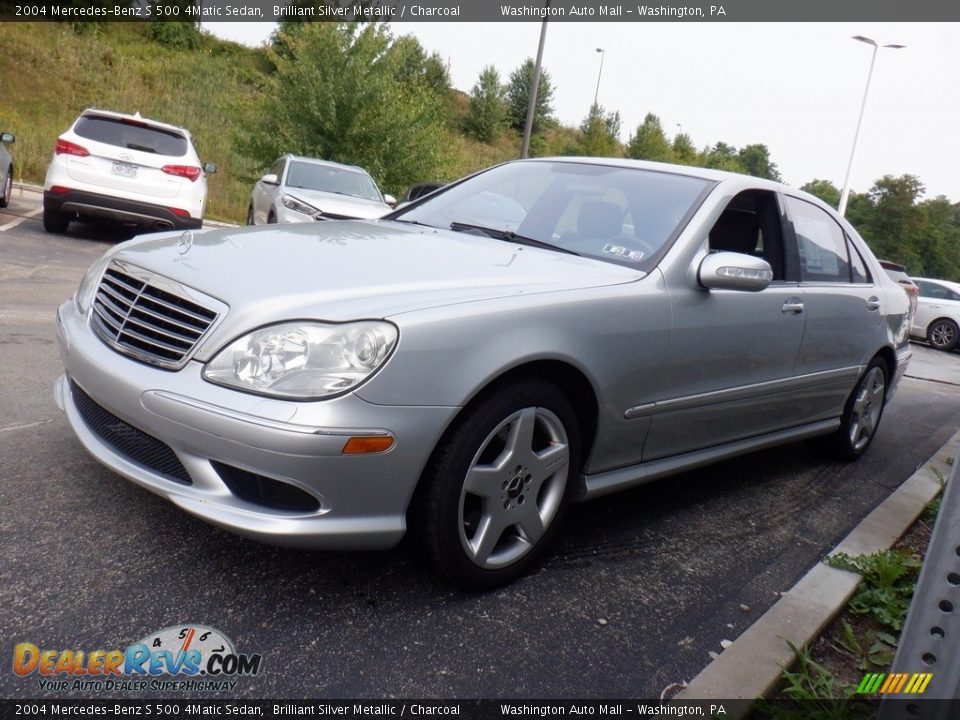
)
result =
(599, 73)
(534, 87)
(844, 194)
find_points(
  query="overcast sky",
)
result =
(796, 87)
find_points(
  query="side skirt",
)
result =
(612, 480)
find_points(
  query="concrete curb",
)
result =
(752, 666)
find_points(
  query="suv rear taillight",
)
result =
(65, 147)
(190, 172)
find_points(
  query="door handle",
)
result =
(873, 303)
(793, 305)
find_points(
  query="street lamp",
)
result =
(853, 151)
(597, 93)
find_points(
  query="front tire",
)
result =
(862, 413)
(7, 188)
(943, 334)
(55, 221)
(497, 487)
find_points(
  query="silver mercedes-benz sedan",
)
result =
(542, 332)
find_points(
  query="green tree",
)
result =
(487, 112)
(518, 97)
(339, 92)
(601, 133)
(755, 160)
(683, 150)
(825, 190)
(722, 157)
(649, 141)
(414, 65)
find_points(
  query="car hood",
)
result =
(336, 204)
(349, 270)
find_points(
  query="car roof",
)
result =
(329, 163)
(137, 117)
(717, 176)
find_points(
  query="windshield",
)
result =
(329, 178)
(621, 215)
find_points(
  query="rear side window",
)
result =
(132, 135)
(858, 268)
(821, 244)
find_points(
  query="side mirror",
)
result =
(7, 137)
(390, 200)
(734, 271)
(270, 179)
(209, 168)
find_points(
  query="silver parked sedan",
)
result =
(300, 189)
(543, 332)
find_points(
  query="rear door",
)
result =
(844, 309)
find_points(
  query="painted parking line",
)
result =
(17, 221)
(24, 426)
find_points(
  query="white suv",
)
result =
(125, 169)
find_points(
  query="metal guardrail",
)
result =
(930, 642)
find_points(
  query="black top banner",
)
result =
(478, 11)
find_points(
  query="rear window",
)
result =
(131, 135)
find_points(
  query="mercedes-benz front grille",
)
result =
(148, 317)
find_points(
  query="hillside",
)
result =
(59, 69)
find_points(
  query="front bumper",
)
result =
(120, 210)
(361, 499)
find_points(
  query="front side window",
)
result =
(620, 215)
(821, 243)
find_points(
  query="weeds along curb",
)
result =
(752, 666)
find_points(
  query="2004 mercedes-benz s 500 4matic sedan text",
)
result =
(541, 332)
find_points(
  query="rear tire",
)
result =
(862, 413)
(250, 215)
(55, 221)
(497, 487)
(943, 334)
(6, 190)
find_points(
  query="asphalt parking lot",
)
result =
(639, 590)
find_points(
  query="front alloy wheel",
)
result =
(943, 334)
(498, 484)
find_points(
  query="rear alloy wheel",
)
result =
(55, 221)
(943, 334)
(7, 188)
(862, 413)
(499, 486)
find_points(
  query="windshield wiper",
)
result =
(509, 236)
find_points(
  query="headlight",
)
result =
(297, 206)
(88, 286)
(304, 360)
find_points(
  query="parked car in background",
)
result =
(301, 189)
(6, 168)
(898, 273)
(543, 332)
(125, 169)
(418, 190)
(938, 313)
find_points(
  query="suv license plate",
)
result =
(124, 169)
